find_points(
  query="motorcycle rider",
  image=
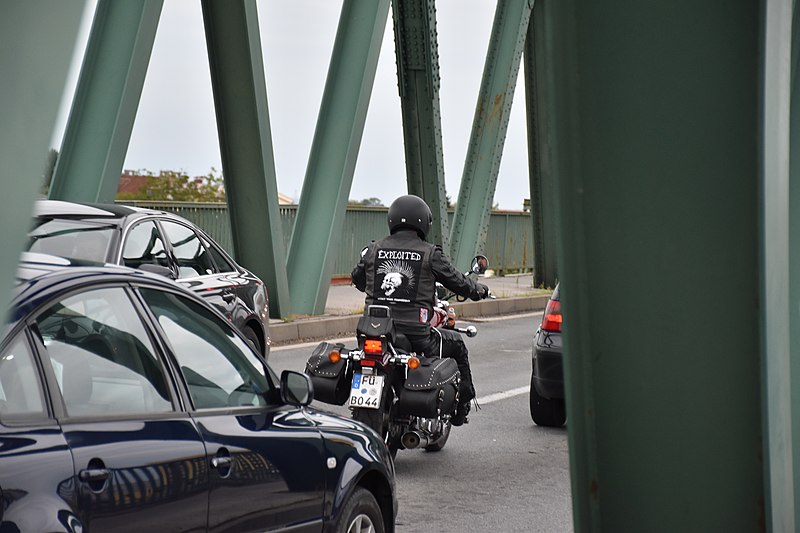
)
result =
(401, 271)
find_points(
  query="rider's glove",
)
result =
(480, 292)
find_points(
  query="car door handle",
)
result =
(228, 296)
(94, 474)
(221, 462)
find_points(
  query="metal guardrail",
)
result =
(509, 245)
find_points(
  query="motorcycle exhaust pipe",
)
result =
(413, 439)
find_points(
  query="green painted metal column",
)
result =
(542, 165)
(245, 138)
(334, 149)
(418, 79)
(106, 99)
(657, 124)
(38, 38)
(489, 128)
(777, 331)
(794, 257)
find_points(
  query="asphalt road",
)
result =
(500, 472)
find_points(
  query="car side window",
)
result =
(144, 246)
(20, 386)
(190, 252)
(102, 357)
(219, 368)
(222, 262)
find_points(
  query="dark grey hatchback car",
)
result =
(127, 403)
(548, 407)
(157, 241)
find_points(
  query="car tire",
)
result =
(361, 514)
(252, 339)
(548, 412)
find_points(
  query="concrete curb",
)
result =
(309, 329)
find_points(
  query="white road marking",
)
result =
(478, 320)
(503, 395)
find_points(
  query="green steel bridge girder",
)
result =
(39, 37)
(540, 97)
(663, 173)
(106, 99)
(418, 82)
(240, 102)
(479, 179)
(334, 150)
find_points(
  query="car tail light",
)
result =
(552, 316)
(373, 346)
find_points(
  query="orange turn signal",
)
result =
(334, 357)
(413, 363)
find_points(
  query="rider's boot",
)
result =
(460, 418)
(465, 395)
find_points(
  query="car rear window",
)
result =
(72, 239)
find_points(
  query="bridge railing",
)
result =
(509, 246)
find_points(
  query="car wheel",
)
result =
(361, 514)
(252, 339)
(548, 412)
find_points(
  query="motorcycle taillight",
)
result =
(373, 346)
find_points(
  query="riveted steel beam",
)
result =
(777, 332)
(418, 80)
(794, 259)
(657, 114)
(38, 38)
(334, 149)
(106, 99)
(542, 166)
(248, 163)
(478, 182)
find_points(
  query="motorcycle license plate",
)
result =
(366, 391)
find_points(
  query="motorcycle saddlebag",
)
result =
(331, 381)
(431, 389)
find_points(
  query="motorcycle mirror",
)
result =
(479, 264)
(471, 331)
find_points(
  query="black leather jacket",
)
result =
(401, 271)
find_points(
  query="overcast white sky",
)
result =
(175, 127)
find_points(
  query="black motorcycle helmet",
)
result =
(410, 212)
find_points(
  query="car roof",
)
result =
(60, 208)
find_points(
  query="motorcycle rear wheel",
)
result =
(379, 419)
(441, 441)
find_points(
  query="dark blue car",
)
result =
(128, 403)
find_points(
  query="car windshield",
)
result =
(73, 239)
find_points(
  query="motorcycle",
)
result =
(407, 398)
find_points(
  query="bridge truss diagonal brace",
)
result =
(106, 99)
(541, 97)
(418, 81)
(334, 150)
(245, 138)
(40, 36)
(489, 127)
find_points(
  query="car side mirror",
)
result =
(296, 388)
(479, 264)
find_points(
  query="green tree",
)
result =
(368, 202)
(179, 187)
